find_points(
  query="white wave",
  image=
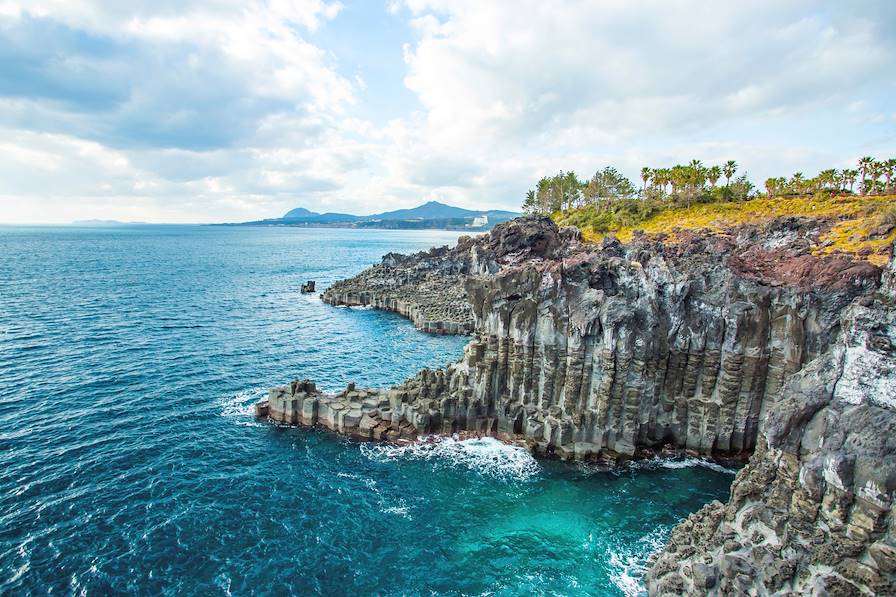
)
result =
(687, 462)
(401, 509)
(223, 582)
(241, 407)
(629, 565)
(487, 456)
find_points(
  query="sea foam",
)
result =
(628, 565)
(486, 456)
(677, 463)
(241, 407)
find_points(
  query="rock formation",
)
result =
(427, 288)
(811, 512)
(720, 343)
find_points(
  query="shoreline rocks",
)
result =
(426, 287)
(811, 513)
(583, 349)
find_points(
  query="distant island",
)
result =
(102, 223)
(431, 215)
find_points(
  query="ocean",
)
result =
(130, 358)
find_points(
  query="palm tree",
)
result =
(849, 177)
(865, 168)
(797, 182)
(877, 168)
(697, 174)
(771, 186)
(646, 174)
(713, 175)
(826, 178)
(839, 179)
(662, 177)
(728, 170)
(679, 178)
(889, 172)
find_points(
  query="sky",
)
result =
(234, 110)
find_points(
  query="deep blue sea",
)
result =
(130, 358)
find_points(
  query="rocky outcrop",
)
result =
(724, 344)
(812, 511)
(364, 414)
(426, 287)
(429, 287)
(584, 350)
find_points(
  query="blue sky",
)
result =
(229, 110)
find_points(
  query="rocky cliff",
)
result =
(811, 512)
(722, 343)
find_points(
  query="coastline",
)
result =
(366, 415)
(744, 354)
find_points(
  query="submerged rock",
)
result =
(723, 344)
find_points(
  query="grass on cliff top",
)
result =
(853, 220)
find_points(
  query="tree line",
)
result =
(685, 184)
(682, 184)
(874, 177)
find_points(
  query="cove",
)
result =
(130, 359)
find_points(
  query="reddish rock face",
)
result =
(781, 267)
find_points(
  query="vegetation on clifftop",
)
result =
(696, 197)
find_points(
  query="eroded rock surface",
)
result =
(583, 350)
(812, 511)
(425, 287)
(721, 343)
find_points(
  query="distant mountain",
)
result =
(100, 223)
(299, 212)
(429, 210)
(429, 215)
(502, 216)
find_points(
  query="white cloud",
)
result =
(578, 85)
(225, 110)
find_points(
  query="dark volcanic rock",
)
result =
(722, 343)
(811, 512)
(425, 287)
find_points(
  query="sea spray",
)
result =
(628, 563)
(486, 456)
(677, 463)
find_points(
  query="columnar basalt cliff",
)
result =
(714, 343)
(812, 511)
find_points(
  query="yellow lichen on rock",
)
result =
(861, 225)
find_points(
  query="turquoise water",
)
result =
(129, 362)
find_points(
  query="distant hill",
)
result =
(430, 210)
(432, 215)
(102, 223)
(299, 212)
